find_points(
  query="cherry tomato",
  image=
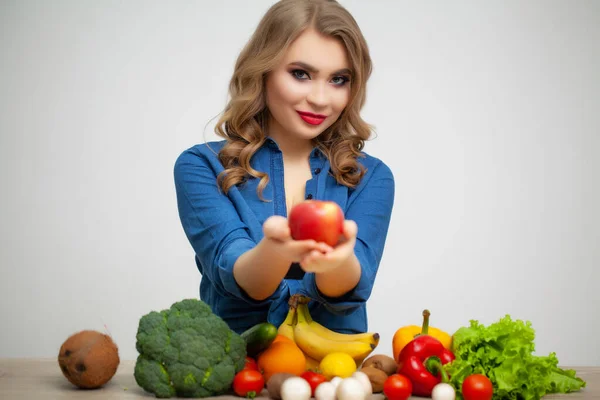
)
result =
(477, 387)
(397, 387)
(314, 379)
(251, 364)
(248, 383)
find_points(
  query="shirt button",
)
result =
(317, 170)
(309, 196)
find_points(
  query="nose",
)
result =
(318, 95)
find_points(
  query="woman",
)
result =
(292, 131)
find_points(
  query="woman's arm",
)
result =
(260, 270)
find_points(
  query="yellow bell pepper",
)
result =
(406, 334)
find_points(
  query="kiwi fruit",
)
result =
(382, 362)
(88, 359)
(275, 382)
(377, 378)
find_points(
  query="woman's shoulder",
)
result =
(206, 152)
(206, 148)
(378, 179)
(201, 155)
(375, 167)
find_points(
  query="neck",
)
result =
(291, 147)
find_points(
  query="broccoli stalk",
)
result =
(187, 351)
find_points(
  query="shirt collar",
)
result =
(272, 144)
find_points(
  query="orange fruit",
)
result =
(281, 338)
(281, 356)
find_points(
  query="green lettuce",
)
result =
(503, 351)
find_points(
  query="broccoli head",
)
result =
(187, 351)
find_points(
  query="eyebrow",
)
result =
(310, 68)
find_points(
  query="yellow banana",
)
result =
(287, 327)
(368, 337)
(317, 346)
(311, 363)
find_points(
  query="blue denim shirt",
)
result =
(221, 227)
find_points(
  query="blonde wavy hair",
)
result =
(244, 121)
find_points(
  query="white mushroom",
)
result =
(443, 391)
(295, 388)
(350, 389)
(336, 380)
(364, 379)
(325, 391)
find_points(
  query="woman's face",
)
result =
(308, 91)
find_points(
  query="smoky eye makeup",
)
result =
(300, 74)
(342, 80)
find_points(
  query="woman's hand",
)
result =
(277, 232)
(320, 262)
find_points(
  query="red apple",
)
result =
(322, 221)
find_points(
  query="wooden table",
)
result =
(34, 379)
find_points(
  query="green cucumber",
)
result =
(259, 337)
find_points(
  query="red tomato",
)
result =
(397, 387)
(248, 383)
(251, 364)
(314, 379)
(477, 387)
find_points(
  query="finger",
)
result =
(340, 253)
(305, 263)
(302, 246)
(276, 227)
(270, 225)
(324, 247)
(312, 256)
(350, 229)
(308, 264)
(315, 254)
(311, 245)
(284, 232)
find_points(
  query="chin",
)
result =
(310, 133)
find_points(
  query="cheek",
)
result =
(287, 90)
(340, 99)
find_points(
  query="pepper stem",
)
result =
(434, 365)
(425, 327)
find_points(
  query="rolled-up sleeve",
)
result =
(370, 206)
(211, 223)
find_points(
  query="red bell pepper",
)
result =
(421, 361)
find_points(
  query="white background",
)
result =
(488, 114)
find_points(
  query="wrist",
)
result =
(271, 248)
(335, 270)
(341, 279)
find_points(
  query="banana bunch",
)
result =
(316, 340)
(287, 327)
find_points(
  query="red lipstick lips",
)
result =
(313, 119)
